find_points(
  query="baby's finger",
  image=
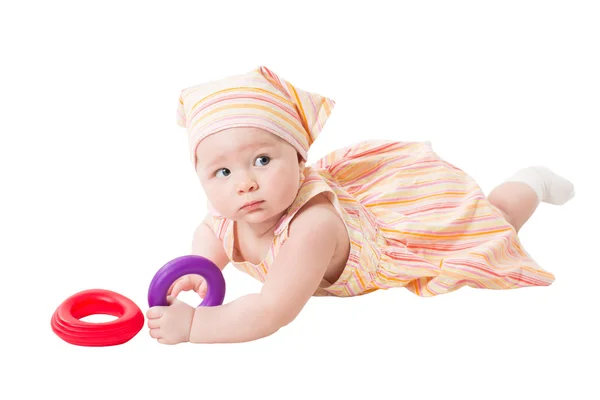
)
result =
(178, 282)
(171, 288)
(155, 333)
(175, 291)
(199, 281)
(202, 289)
(153, 324)
(179, 287)
(154, 312)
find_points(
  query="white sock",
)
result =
(549, 187)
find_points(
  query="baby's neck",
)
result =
(262, 229)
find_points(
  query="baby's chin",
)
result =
(255, 216)
(258, 216)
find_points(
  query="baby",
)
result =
(374, 215)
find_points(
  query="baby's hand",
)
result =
(171, 324)
(189, 282)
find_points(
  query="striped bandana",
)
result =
(256, 99)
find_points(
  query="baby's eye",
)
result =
(223, 169)
(264, 160)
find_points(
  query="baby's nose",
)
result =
(247, 186)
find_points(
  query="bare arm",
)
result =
(291, 281)
(207, 244)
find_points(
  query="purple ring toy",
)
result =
(175, 269)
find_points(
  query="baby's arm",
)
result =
(171, 324)
(207, 244)
(291, 281)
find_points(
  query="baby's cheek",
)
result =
(287, 190)
(218, 203)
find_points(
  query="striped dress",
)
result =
(413, 220)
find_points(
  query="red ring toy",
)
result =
(67, 325)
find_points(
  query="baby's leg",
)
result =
(519, 195)
(516, 200)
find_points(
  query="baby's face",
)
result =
(240, 165)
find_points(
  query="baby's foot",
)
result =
(549, 187)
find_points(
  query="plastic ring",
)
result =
(67, 325)
(175, 269)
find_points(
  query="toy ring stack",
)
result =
(174, 269)
(67, 325)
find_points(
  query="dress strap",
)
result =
(312, 184)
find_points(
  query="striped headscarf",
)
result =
(258, 98)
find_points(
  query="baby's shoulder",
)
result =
(316, 211)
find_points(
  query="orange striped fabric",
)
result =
(258, 98)
(413, 220)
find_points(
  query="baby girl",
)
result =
(378, 214)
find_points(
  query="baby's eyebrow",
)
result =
(219, 158)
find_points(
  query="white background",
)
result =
(97, 190)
